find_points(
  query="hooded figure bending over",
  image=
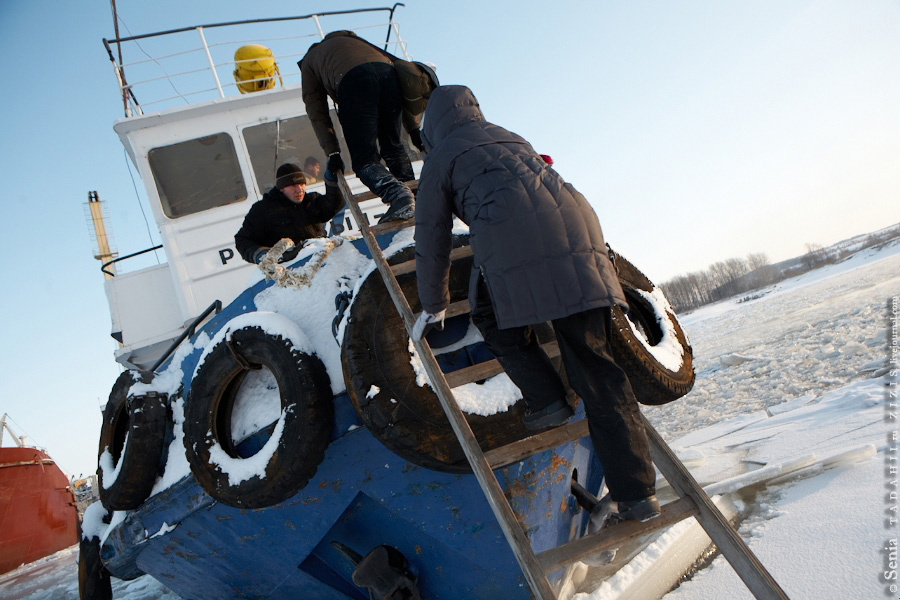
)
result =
(539, 255)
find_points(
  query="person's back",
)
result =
(337, 54)
(544, 236)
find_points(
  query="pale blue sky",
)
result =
(698, 130)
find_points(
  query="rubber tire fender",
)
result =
(305, 390)
(93, 578)
(653, 383)
(143, 420)
(404, 416)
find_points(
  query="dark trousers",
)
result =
(613, 417)
(369, 107)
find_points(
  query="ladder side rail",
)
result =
(506, 518)
(381, 263)
(748, 567)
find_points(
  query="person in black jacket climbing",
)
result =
(539, 255)
(362, 82)
(287, 211)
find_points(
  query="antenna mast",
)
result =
(104, 253)
(121, 65)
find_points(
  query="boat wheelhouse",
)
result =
(205, 155)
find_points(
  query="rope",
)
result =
(301, 276)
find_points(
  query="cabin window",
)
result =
(285, 141)
(197, 175)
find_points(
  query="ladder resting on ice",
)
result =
(692, 502)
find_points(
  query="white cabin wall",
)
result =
(204, 264)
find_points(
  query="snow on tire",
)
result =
(402, 413)
(296, 445)
(648, 342)
(132, 443)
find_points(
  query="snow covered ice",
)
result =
(798, 374)
(793, 381)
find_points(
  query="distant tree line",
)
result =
(719, 281)
(735, 276)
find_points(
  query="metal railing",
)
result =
(117, 259)
(191, 330)
(192, 61)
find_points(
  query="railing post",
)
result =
(212, 65)
(400, 43)
(120, 78)
(318, 26)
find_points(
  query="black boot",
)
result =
(401, 200)
(639, 510)
(403, 207)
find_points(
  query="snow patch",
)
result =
(177, 466)
(92, 525)
(668, 351)
(108, 467)
(271, 323)
(166, 528)
(241, 469)
(256, 405)
(493, 396)
(118, 517)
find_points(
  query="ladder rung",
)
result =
(391, 226)
(403, 268)
(455, 309)
(363, 196)
(410, 265)
(489, 368)
(615, 536)
(535, 444)
(368, 195)
(726, 538)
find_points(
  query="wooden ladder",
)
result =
(692, 502)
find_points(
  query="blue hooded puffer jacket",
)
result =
(534, 237)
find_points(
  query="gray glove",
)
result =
(425, 322)
(259, 254)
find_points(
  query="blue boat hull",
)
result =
(362, 496)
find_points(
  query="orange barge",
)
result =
(37, 507)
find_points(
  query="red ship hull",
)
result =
(37, 508)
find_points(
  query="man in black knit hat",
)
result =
(287, 211)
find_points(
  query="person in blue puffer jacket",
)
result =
(539, 255)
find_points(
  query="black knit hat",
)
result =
(289, 174)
